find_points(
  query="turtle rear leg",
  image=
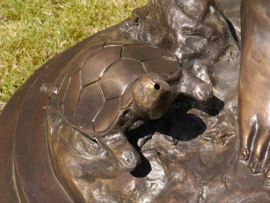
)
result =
(124, 153)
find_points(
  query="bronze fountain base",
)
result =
(189, 155)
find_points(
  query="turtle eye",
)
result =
(157, 86)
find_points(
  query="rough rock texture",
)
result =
(190, 155)
(190, 171)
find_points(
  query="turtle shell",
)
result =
(96, 87)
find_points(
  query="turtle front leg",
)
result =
(124, 153)
(192, 86)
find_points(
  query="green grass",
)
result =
(33, 31)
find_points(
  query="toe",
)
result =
(244, 154)
(267, 184)
(260, 156)
(247, 134)
(254, 166)
(267, 179)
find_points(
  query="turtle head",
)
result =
(152, 96)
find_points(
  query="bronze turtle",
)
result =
(108, 87)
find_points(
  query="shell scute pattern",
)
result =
(122, 42)
(97, 85)
(141, 53)
(126, 98)
(72, 95)
(98, 62)
(89, 104)
(161, 65)
(108, 114)
(63, 88)
(71, 119)
(119, 76)
(77, 63)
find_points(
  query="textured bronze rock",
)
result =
(191, 154)
(206, 50)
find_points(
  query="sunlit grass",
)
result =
(33, 31)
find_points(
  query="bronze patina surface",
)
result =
(156, 95)
(110, 86)
(254, 86)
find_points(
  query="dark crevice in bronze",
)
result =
(177, 120)
(104, 44)
(232, 30)
(211, 107)
(143, 169)
(121, 52)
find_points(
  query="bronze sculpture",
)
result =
(188, 155)
(108, 87)
(253, 87)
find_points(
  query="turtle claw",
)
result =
(127, 158)
(202, 91)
